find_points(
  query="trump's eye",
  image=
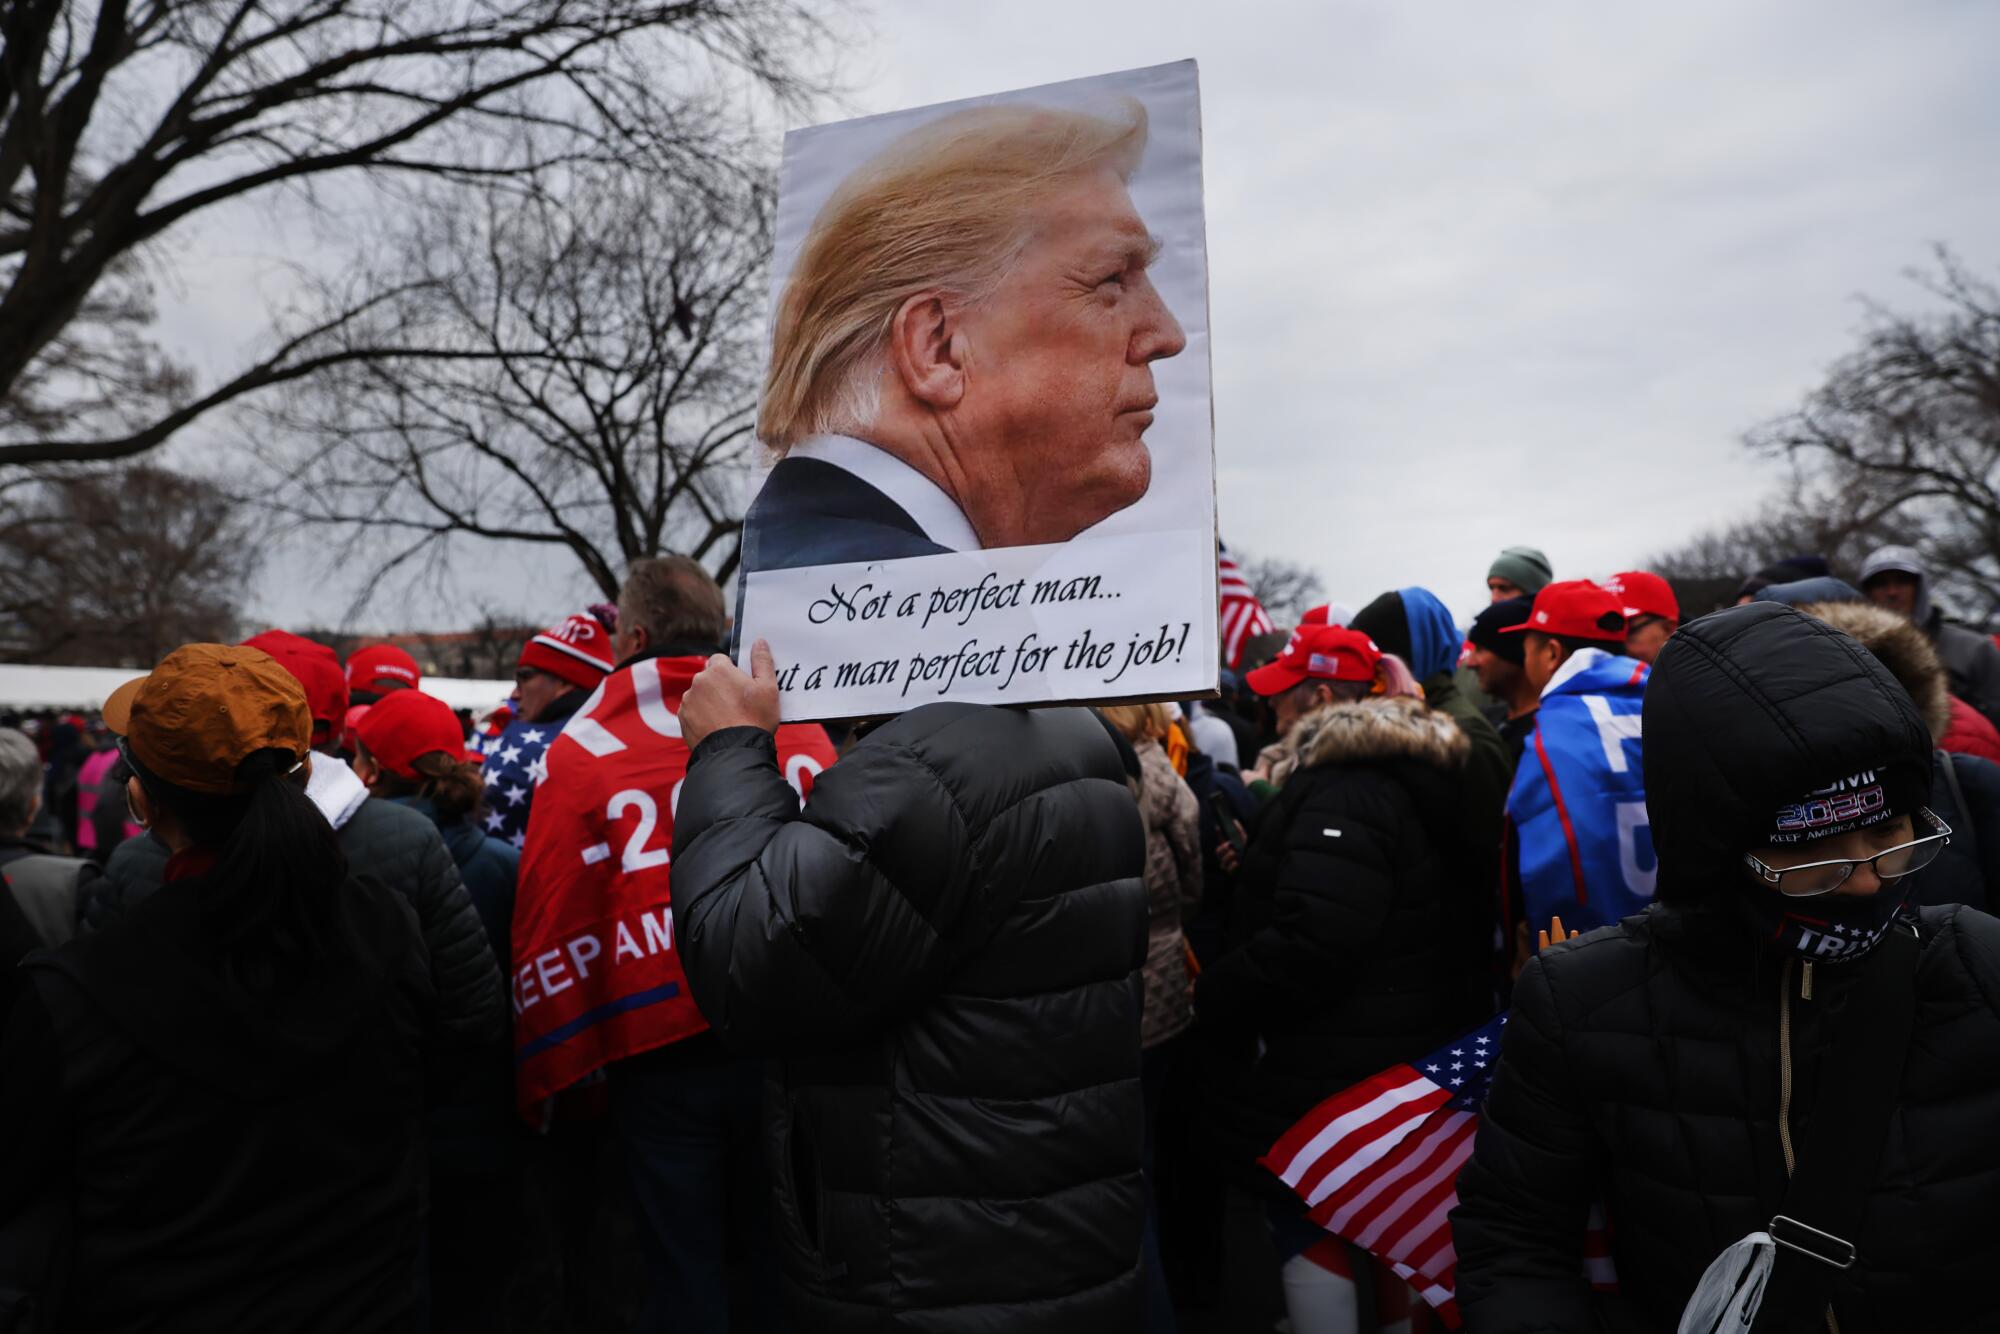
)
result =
(1116, 279)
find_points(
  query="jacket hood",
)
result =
(1749, 708)
(334, 788)
(1589, 670)
(1820, 588)
(1900, 646)
(1907, 561)
(1415, 626)
(1377, 729)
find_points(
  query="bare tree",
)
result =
(1904, 436)
(1807, 516)
(123, 121)
(582, 376)
(1901, 445)
(119, 568)
(1287, 588)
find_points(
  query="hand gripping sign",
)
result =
(595, 975)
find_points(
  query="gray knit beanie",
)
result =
(1524, 567)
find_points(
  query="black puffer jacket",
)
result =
(1337, 956)
(1965, 794)
(1642, 1063)
(218, 1161)
(942, 949)
(402, 849)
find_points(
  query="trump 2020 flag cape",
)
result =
(1377, 1165)
(1578, 805)
(596, 977)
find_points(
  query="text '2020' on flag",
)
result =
(1377, 1164)
(595, 974)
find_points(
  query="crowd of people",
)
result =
(627, 1006)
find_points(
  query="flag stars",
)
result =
(1457, 1065)
(1456, 1082)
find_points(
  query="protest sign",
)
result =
(990, 463)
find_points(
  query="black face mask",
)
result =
(1827, 928)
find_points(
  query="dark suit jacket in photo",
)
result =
(813, 513)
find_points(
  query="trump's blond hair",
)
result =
(948, 207)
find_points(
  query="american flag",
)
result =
(516, 762)
(1378, 1164)
(1243, 616)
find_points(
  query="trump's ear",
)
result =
(927, 351)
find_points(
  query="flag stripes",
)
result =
(1242, 616)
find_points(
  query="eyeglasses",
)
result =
(523, 675)
(1816, 878)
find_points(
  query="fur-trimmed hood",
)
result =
(1375, 728)
(1902, 647)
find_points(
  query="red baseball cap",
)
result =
(1645, 594)
(381, 667)
(405, 725)
(1575, 609)
(578, 651)
(317, 668)
(1319, 653)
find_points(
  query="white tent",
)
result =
(84, 688)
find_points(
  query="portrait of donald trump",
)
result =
(962, 351)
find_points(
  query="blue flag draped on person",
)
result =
(1577, 811)
(515, 766)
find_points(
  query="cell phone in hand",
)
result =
(1232, 828)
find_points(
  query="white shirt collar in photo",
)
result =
(921, 498)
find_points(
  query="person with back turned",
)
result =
(212, 1107)
(943, 947)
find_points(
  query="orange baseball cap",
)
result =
(205, 709)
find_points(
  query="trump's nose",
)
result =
(1156, 334)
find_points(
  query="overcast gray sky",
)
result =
(1480, 274)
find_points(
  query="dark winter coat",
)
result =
(1641, 1065)
(403, 850)
(1336, 956)
(473, 1127)
(1971, 862)
(1968, 870)
(1971, 660)
(942, 949)
(223, 1162)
